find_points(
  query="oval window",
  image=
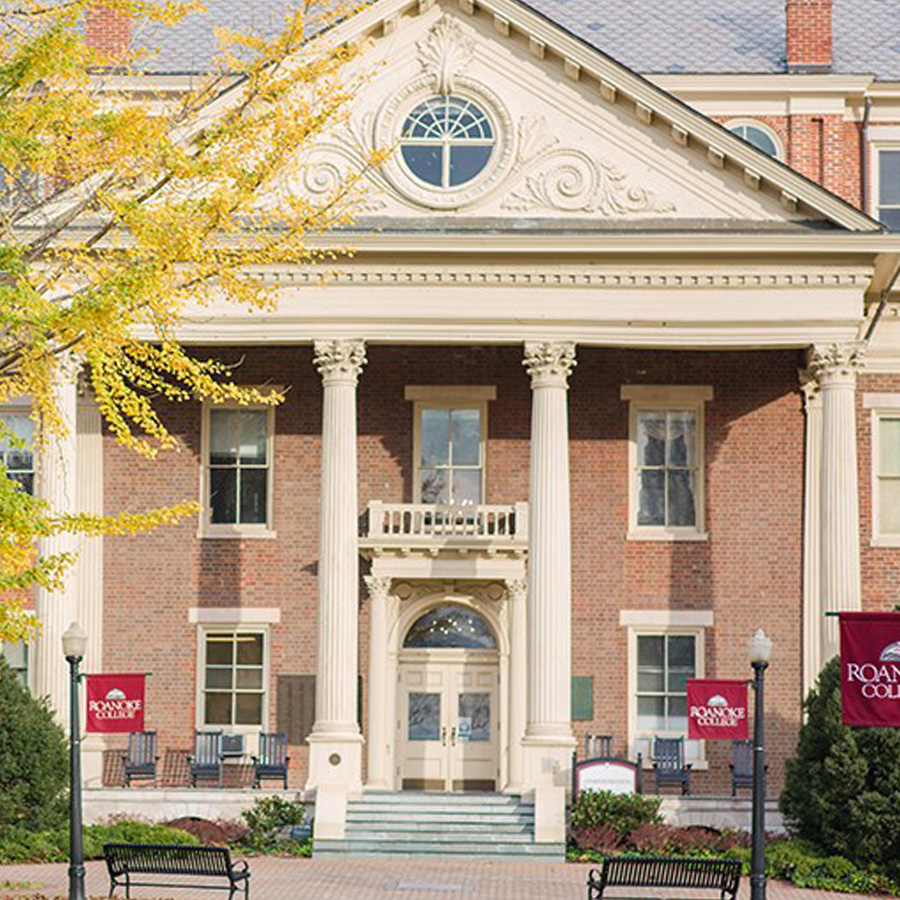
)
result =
(760, 137)
(447, 141)
(450, 626)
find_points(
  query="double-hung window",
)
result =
(16, 656)
(885, 424)
(450, 439)
(16, 449)
(666, 481)
(889, 188)
(237, 482)
(234, 678)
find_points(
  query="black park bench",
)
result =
(124, 861)
(720, 875)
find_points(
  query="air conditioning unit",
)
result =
(232, 745)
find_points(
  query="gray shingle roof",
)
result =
(649, 36)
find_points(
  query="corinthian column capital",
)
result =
(549, 363)
(379, 586)
(340, 360)
(516, 589)
(836, 363)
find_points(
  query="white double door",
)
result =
(449, 728)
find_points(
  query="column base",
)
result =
(335, 761)
(547, 760)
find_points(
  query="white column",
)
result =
(548, 741)
(812, 531)
(516, 592)
(335, 756)
(835, 367)
(378, 721)
(57, 484)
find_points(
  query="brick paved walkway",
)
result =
(375, 879)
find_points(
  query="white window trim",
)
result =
(448, 397)
(209, 529)
(666, 397)
(766, 129)
(875, 148)
(881, 406)
(200, 705)
(635, 631)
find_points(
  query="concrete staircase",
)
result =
(403, 824)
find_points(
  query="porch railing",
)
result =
(427, 521)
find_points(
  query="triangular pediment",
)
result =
(580, 141)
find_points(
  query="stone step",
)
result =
(439, 823)
(437, 850)
(411, 798)
(439, 837)
(424, 813)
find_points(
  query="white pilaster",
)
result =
(378, 722)
(548, 738)
(57, 484)
(835, 367)
(517, 592)
(335, 757)
(812, 532)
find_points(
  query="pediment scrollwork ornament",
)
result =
(562, 179)
(444, 53)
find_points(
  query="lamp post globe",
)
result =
(74, 642)
(760, 652)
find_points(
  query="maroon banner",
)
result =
(115, 703)
(870, 669)
(717, 709)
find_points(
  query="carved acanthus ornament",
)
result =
(340, 360)
(572, 180)
(444, 53)
(829, 363)
(379, 586)
(516, 589)
(549, 363)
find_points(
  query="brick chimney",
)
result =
(108, 31)
(809, 35)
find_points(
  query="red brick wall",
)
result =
(748, 571)
(808, 33)
(108, 31)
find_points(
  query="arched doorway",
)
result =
(449, 730)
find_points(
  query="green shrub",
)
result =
(842, 790)
(20, 845)
(34, 765)
(267, 817)
(620, 812)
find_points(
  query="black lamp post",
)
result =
(74, 642)
(760, 653)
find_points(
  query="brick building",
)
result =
(611, 381)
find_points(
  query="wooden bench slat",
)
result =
(721, 875)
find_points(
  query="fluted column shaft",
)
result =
(339, 363)
(549, 603)
(835, 367)
(57, 484)
(517, 592)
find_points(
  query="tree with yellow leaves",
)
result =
(118, 214)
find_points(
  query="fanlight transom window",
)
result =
(447, 141)
(450, 626)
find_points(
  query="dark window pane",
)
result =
(650, 650)
(475, 717)
(218, 709)
(890, 218)
(248, 709)
(253, 496)
(219, 649)
(681, 651)
(219, 678)
(424, 717)
(223, 496)
(467, 162)
(889, 177)
(451, 626)
(466, 487)
(435, 437)
(466, 431)
(425, 162)
(250, 649)
(224, 431)
(681, 498)
(651, 439)
(254, 437)
(435, 488)
(651, 498)
(681, 439)
(26, 479)
(651, 713)
(248, 679)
